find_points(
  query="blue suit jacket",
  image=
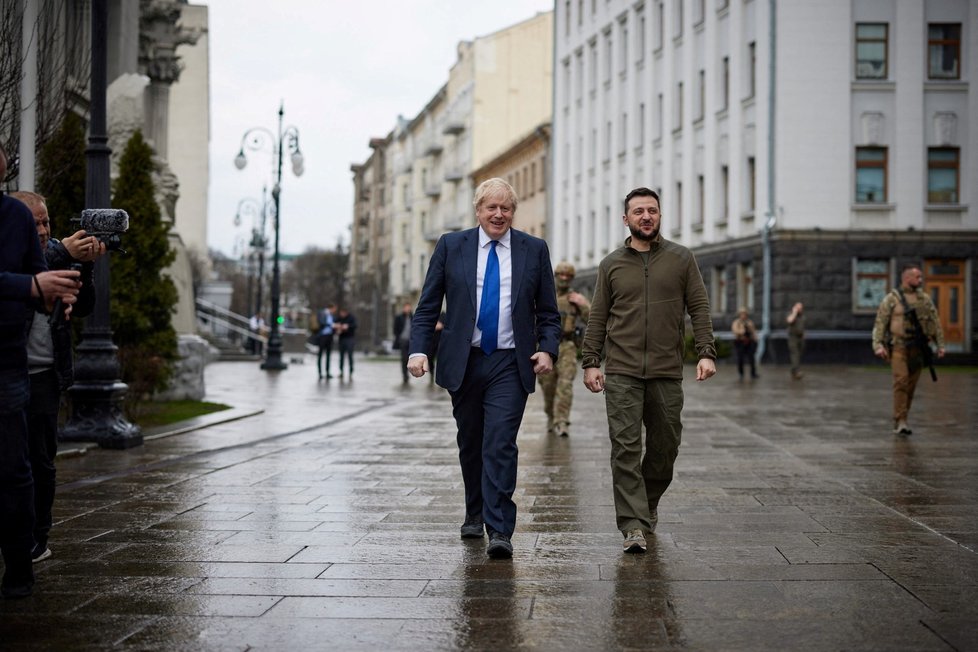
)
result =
(452, 276)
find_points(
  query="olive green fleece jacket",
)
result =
(637, 322)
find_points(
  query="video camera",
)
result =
(106, 224)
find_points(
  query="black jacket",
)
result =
(57, 257)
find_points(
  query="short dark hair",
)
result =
(641, 192)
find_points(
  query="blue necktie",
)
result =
(489, 308)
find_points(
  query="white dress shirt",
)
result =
(504, 252)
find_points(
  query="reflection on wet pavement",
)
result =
(330, 521)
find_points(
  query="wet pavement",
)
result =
(326, 515)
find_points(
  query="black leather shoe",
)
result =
(473, 527)
(499, 546)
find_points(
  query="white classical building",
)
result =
(803, 150)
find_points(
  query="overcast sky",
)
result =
(345, 70)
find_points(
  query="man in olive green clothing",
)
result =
(893, 339)
(642, 294)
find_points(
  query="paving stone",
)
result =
(330, 520)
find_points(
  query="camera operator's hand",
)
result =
(62, 283)
(82, 247)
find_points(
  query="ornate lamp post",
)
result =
(254, 139)
(98, 392)
(258, 244)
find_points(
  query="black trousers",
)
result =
(325, 346)
(42, 428)
(16, 482)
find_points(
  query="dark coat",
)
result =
(57, 257)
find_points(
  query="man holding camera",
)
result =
(24, 284)
(49, 360)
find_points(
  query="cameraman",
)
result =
(24, 281)
(49, 361)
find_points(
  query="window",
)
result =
(659, 27)
(593, 56)
(751, 184)
(944, 50)
(640, 36)
(700, 200)
(745, 286)
(679, 106)
(658, 116)
(725, 90)
(870, 284)
(623, 33)
(871, 50)
(718, 290)
(579, 81)
(567, 18)
(700, 94)
(641, 124)
(608, 56)
(679, 208)
(724, 193)
(870, 175)
(623, 145)
(942, 175)
(752, 73)
(679, 20)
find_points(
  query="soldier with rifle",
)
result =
(906, 323)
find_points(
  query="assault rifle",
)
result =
(919, 337)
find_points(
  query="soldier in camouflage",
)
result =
(893, 339)
(558, 387)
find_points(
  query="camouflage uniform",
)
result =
(558, 386)
(892, 330)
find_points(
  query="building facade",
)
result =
(524, 166)
(804, 151)
(419, 179)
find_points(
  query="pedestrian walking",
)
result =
(906, 323)
(558, 387)
(796, 338)
(402, 337)
(641, 296)
(325, 339)
(345, 325)
(745, 342)
(501, 330)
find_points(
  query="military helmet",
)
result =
(564, 268)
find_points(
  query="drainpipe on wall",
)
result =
(28, 97)
(551, 171)
(770, 218)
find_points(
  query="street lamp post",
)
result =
(97, 394)
(254, 139)
(258, 243)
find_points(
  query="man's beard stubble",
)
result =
(637, 234)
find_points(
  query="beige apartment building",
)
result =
(419, 181)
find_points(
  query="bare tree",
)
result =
(317, 277)
(61, 34)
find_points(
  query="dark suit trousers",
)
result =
(488, 410)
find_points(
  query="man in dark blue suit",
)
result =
(501, 329)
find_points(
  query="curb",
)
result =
(75, 449)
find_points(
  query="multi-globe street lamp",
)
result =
(259, 211)
(286, 138)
